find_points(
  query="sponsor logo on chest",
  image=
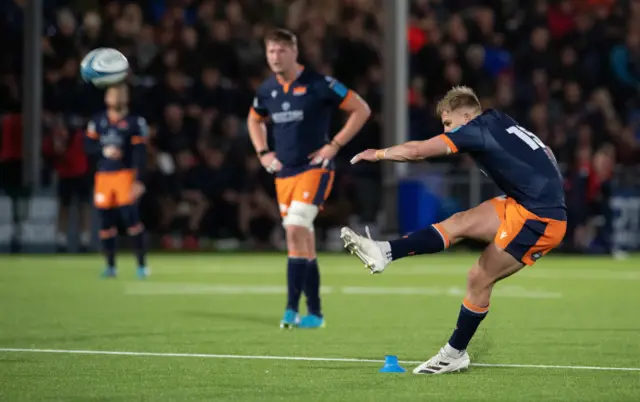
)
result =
(112, 137)
(287, 115)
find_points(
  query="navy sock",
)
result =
(312, 288)
(469, 320)
(425, 241)
(296, 272)
(109, 249)
(140, 250)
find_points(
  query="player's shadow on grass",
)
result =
(268, 321)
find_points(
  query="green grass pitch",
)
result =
(212, 309)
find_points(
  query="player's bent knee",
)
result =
(300, 214)
(474, 276)
(456, 225)
(479, 223)
(478, 279)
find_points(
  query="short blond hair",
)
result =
(282, 36)
(456, 98)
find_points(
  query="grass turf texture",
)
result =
(565, 311)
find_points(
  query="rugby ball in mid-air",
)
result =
(104, 67)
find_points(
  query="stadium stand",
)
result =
(569, 70)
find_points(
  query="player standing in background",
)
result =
(298, 103)
(521, 227)
(119, 140)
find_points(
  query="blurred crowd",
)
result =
(568, 70)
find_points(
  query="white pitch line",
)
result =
(297, 358)
(168, 289)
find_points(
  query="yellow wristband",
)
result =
(381, 153)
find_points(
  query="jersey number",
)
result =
(527, 136)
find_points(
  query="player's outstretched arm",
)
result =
(407, 152)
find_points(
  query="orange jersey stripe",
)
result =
(255, 115)
(449, 143)
(349, 95)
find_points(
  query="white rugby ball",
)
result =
(104, 67)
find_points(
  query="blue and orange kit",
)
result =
(517, 161)
(129, 135)
(300, 114)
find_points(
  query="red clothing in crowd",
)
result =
(416, 38)
(72, 160)
(560, 22)
(11, 148)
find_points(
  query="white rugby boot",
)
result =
(375, 255)
(448, 360)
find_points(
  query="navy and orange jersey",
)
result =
(128, 134)
(300, 114)
(517, 161)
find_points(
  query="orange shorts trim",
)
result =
(113, 189)
(309, 187)
(523, 234)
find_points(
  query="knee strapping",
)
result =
(300, 214)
